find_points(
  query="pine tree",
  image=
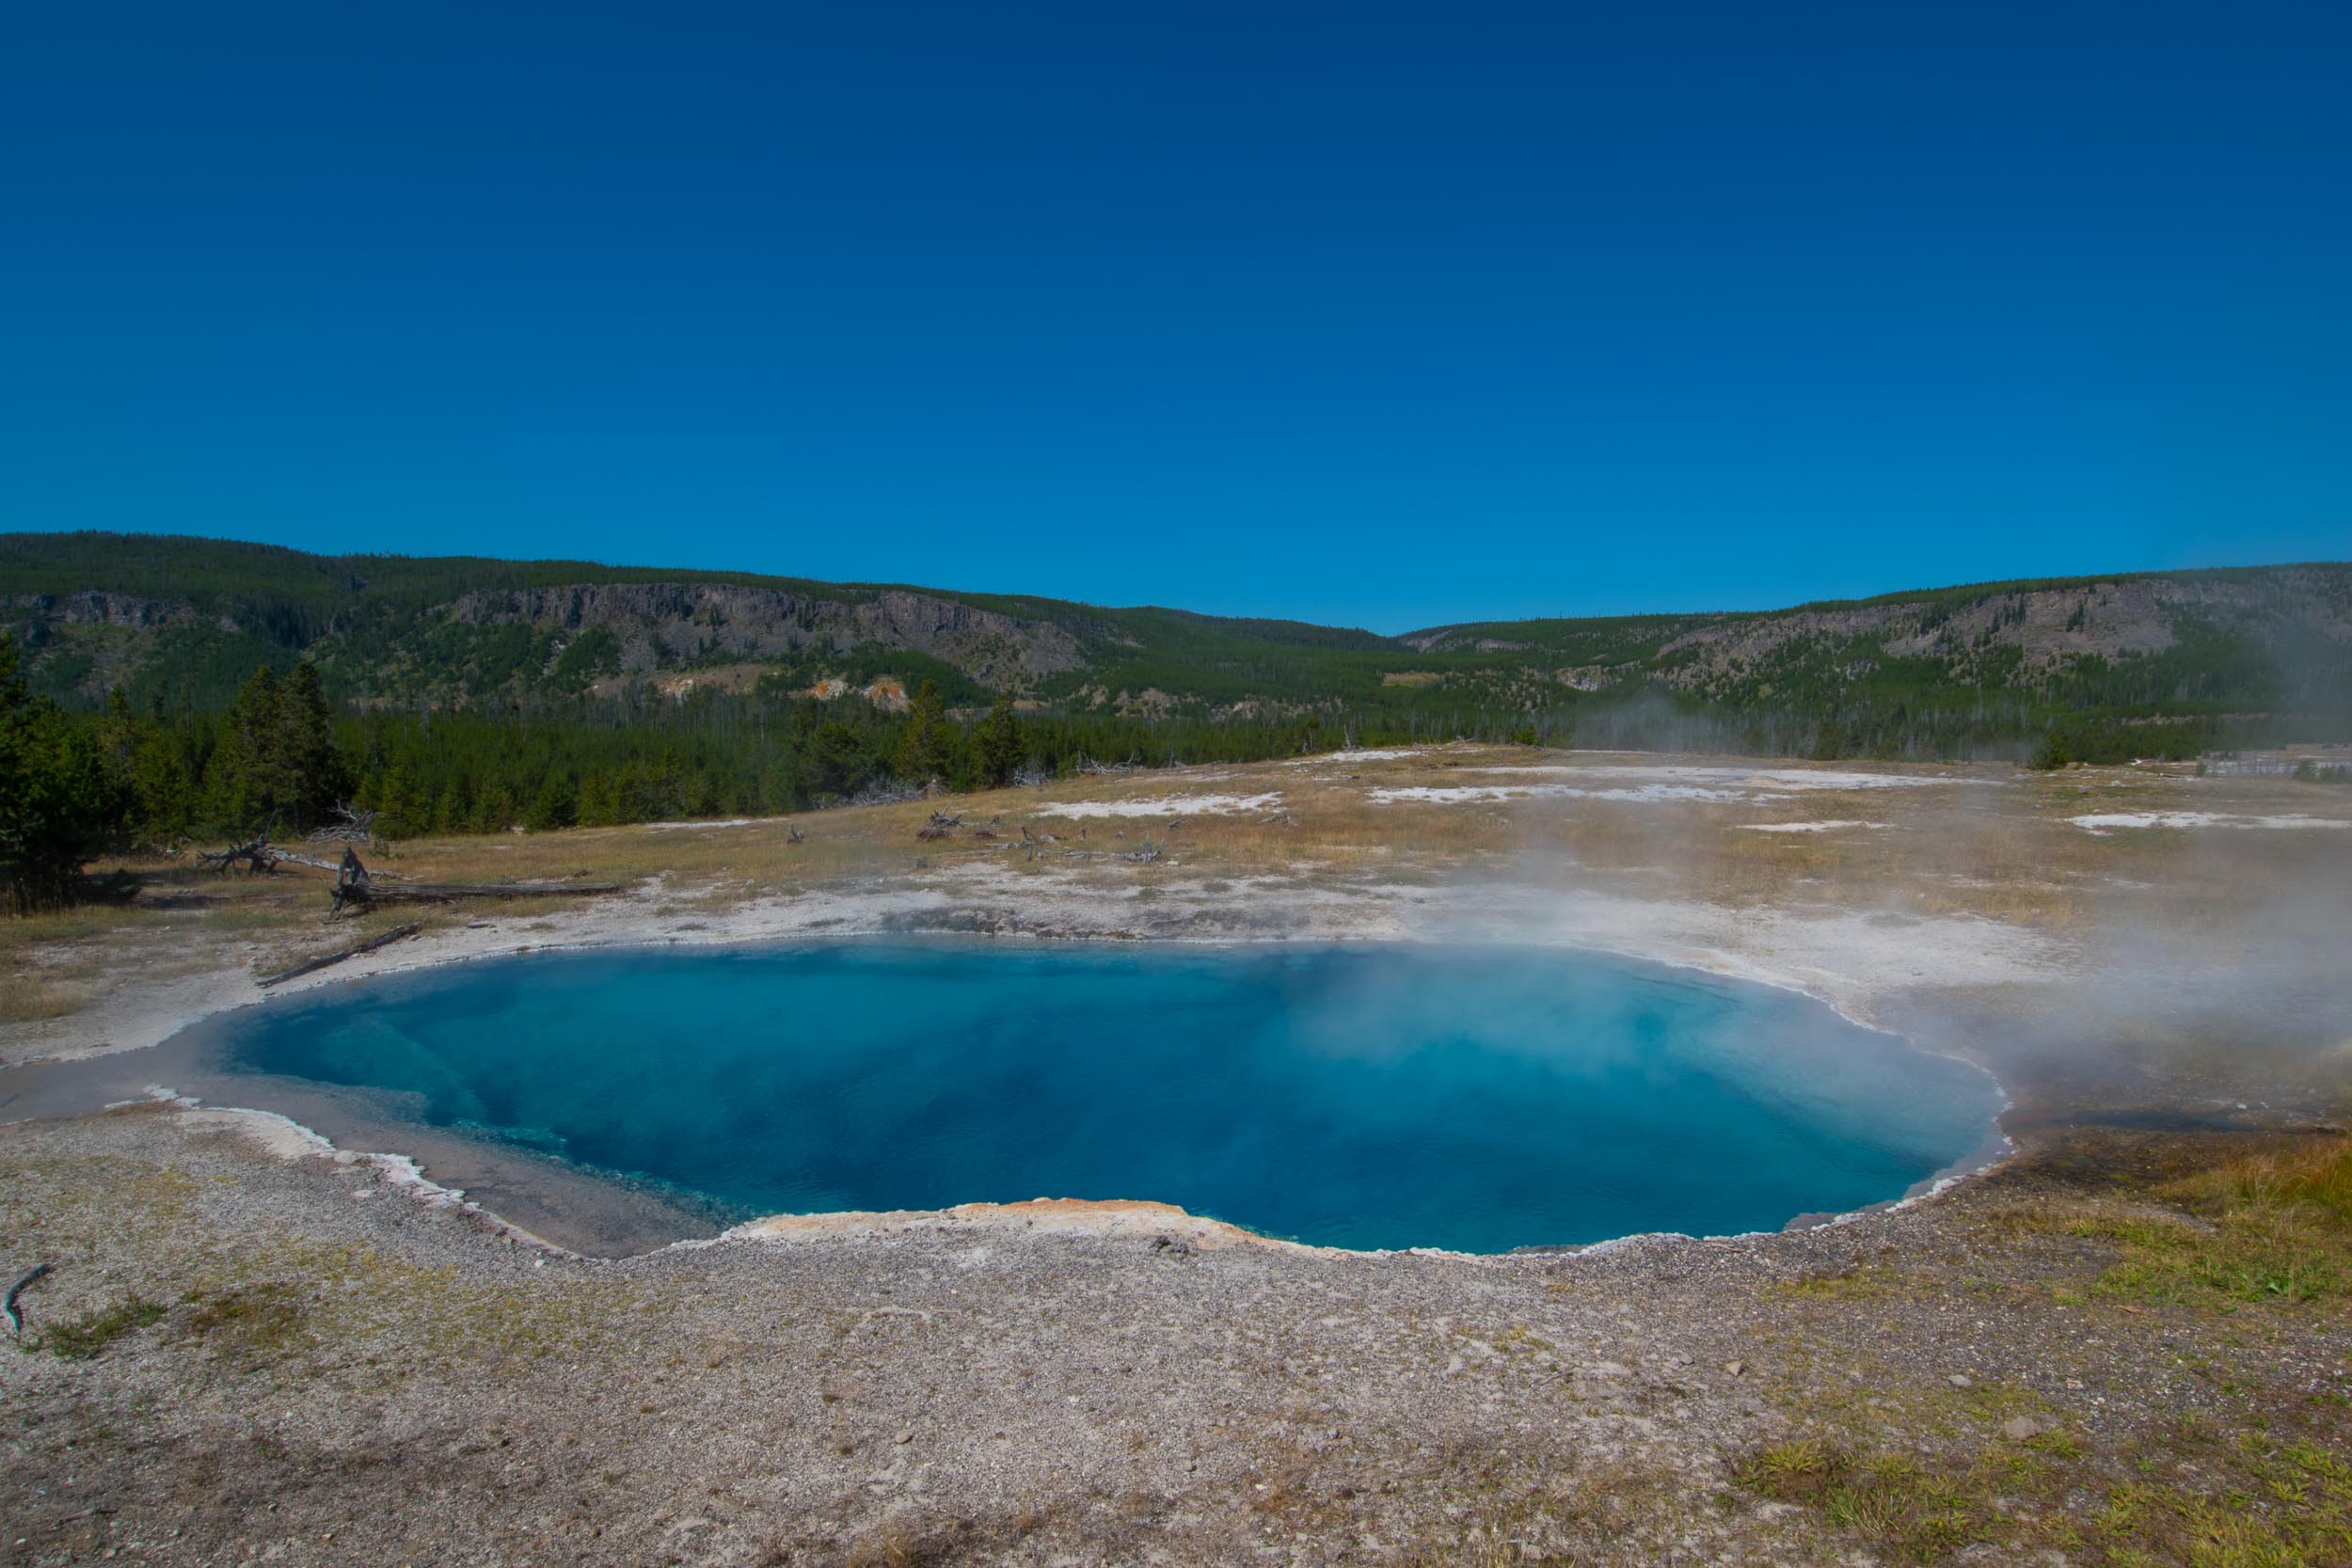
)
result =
(597, 808)
(305, 774)
(240, 785)
(998, 748)
(393, 799)
(923, 752)
(556, 805)
(162, 792)
(62, 803)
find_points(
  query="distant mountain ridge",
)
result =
(181, 620)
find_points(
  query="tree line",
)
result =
(280, 758)
(281, 755)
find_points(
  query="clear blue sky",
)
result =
(1362, 313)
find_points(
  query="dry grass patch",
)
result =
(1862, 1282)
(2271, 1227)
(29, 999)
(2266, 1504)
(253, 1324)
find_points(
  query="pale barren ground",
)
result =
(292, 1359)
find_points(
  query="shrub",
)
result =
(2050, 754)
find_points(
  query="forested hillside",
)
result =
(477, 693)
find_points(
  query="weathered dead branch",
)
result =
(887, 792)
(16, 1318)
(357, 827)
(1153, 849)
(259, 855)
(255, 852)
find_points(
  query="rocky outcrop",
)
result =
(2046, 629)
(433, 632)
(660, 622)
(1996, 635)
(96, 608)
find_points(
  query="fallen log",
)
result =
(443, 893)
(255, 852)
(310, 965)
(259, 854)
(356, 886)
(277, 854)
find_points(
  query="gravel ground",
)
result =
(329, 1370)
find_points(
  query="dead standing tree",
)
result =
(1151, 851)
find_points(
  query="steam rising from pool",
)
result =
(1366, 1097)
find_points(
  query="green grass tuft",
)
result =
(94, 1330)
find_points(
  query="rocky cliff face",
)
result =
(2004, 638)
(88, 614)
(2029, 634)
(94, 608)
(658, 623)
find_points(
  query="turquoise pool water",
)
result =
(1367, 1097)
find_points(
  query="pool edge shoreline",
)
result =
(1101, 1216)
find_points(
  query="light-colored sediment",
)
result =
(1129, 1218)
(2105, 822)
(1165, 805)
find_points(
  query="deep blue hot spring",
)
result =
(1365, 1097)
